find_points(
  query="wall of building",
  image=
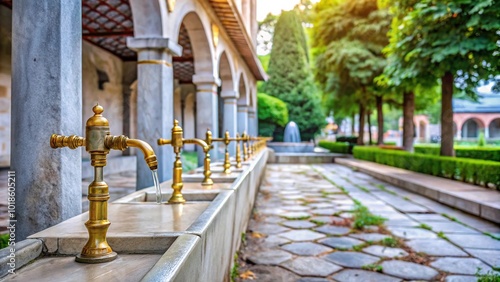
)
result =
(111, 96)
(5, 84)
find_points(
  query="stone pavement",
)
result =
(302, 230)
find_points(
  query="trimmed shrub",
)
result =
(336, 147)
(271, 112)
(479, 153)
(348, 139)
(479, 172)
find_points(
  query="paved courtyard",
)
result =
(303, 230)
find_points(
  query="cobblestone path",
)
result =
(303, 229)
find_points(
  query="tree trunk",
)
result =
(370, 139)
(447, 115)
(408, 127)
(361, 126)
(380, 120)
(353, 124)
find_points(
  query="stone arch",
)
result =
(201, 45)
(243, 100)
(494, 128)
(149, 17)
(472, 127)
(226, 73)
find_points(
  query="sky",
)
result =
(265, 7)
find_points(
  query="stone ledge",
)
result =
(304, 158)
(26, 251)
(482, 202)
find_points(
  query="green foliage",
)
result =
(348, 37)
(481, 142)
(189, 160)
(336, 147)
(290, 78)
(489, 276)
(478, 153)
(373, 267)
(271, 112)
(389, 242)
(363, 217)
(425, 226)
(4, 240)
(479, 172)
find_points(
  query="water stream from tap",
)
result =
(157, 186)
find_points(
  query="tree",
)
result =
(271, 112)
(455, 41)
(348, 37)
(290, 77)
(265, 34)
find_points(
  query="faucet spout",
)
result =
(199, 142)
(147, 150)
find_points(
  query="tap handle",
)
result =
(72, 142)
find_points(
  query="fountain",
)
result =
(292, 141)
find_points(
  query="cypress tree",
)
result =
(290, 78)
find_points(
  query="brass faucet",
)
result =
(98, 142)
(226, 140)
(238, 139)
(177, 142)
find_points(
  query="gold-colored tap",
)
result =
(177, 142)
(98, 143)
(226, 140)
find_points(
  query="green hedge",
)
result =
(479, 153)
(272, 113)
(348, 139)
(479, 172)
(336, 147)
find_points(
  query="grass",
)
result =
(490, 276)
(389, 242)
(234, 270)
(243, 238)
(441, 235)
(4, 240)
(406, 198)
(425, 226)
(382, 187)
(450, 217)
(364, 188)
(318, 222)
(491, 235)
(373, 267)
(363, 217)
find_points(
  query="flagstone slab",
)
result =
(341, 242)
(450, 227)
(273, 219)
(370, 237)
(382, 251)
(269, 228)
(306, 248)
(266, 273)
(491, 257)
(270, 257)
(295, 208)
(274, 241)
(350, 275)
(324, 211)
(460, 278)
(436, 247)
(408, 270)
(298, 224)
(313, 279)
(333, 230)
(322, 219)
(401, 223)
(311, 266)
(351, 259)
(412, 233)
(428, 217)
(320, 205)
(295, 215)
(302, 235)
(461, 265)
(474, 241)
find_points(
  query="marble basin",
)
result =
(217, 177)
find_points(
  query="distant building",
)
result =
(471, 118)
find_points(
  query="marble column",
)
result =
(230, 117)
(155, 99)
(252, 122)
(207, 111)
(243, 119)
(46, 99)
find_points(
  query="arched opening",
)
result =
(226, 94)
(494, 128)
(242, 105)
(471, 128)
(422, 130)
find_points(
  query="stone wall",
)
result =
(95, 59)
(5, 84)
